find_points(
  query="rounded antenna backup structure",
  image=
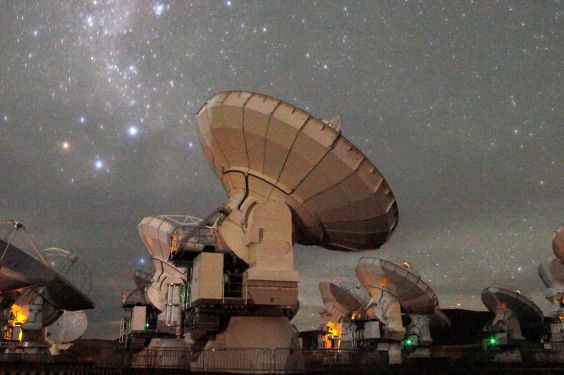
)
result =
(513, 312)
(290, 177)
(269, 150)
(340, 300)
(551, 271)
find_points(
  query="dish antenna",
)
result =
(291, 178)
(37, 289)
(340, 299)
(13, 275)
(142, 280)
(551, 271)
(162, 236)
(513, 313)
(396, 287)
(264, 150)
(341, 302)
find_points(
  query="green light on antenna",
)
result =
(407, 342)
(492, 341)
(146, 325)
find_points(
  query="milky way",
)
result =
(458, 104)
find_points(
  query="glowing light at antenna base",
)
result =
(492, 341)
(332, 338)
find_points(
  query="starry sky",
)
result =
(458, 104)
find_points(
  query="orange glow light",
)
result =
(18, 314)
(332, 338)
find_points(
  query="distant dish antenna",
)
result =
(396, 287)
(142, 280)
(401, 282)
(551, 272)
(163, 236)
(39, 288)
(513, 313)
(19, 270)
(340, 299)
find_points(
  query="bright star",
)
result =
(158, 9)
(65, 145)
(99, 164)
(133, 131)
(82, 119)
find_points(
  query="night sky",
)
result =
(458, 104)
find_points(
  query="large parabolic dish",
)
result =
(401, 281)
(339, 299)
(498, 300)
(263, 147)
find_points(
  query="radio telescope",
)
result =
(45, 305)
(290, 178)
(341, 301)
(551, 271)
(513, 313)
(162, 236)
(395, 288)
(265, 150)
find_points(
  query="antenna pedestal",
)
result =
(419, 327)
(270, 279)
(387, 310)
(506, 321)
(267, 344)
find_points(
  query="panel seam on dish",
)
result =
(266, 134)
(243, 130)
(329, 149)
(309, 117)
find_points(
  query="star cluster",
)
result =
(457, 104)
